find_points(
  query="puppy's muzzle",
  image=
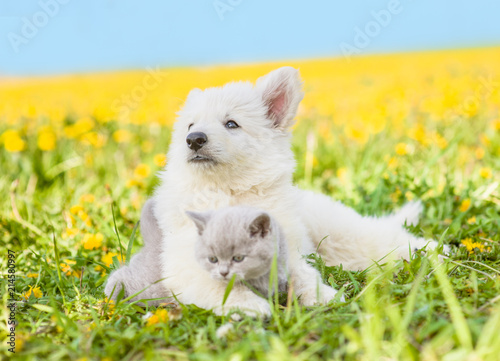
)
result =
(196, 140)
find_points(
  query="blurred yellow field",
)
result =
(365, 95)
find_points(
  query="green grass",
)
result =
(417, 310)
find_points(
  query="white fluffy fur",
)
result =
(253, 165)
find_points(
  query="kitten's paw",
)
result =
(114, 284)
(318, 296)
(251, 306)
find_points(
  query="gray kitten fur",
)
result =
(241, 240)
(144, 267)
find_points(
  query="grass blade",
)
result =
(228, 289)
(131, 243)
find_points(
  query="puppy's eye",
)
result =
(213, 259)
(231, 124)
(238, 258)
(190, 125)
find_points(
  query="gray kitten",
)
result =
(144, 272)
(241, 241)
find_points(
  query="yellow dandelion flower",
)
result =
(92, 241)
(134, 182)
(161, 315)
(472, 246)
(122, 136)
(418, 133)
(35, 291)
(153, 320)
(142, 171)
(107, 259)
(32, 275)
(359, 135)
(84, 125)
(21, 339)
(87, 198)
(110, 305)
(485, 173)
(46, 139)
(70, 132)
(402, 149)
(12, 141)
(160, 160)
(464, 205)
(66, 266)
(472, 220)
(76, 209)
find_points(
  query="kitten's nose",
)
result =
(224, 273)
(196, 140)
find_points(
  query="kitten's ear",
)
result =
(260, 226)
(281, 91)
(200, 219)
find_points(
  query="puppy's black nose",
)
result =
(196, 140)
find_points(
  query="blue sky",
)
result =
(67, 36)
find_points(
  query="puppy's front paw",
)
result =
(432, 245)
(251, 305)
(429, 245)
(314, 296)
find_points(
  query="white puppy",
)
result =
(231, 146)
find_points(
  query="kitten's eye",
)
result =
(213, 259)
(231, 124)
(238, 258)
(190, 125)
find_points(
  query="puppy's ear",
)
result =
(260, 226)
(194, 92)
(193, 96)
(281, 92)
(200, 219)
